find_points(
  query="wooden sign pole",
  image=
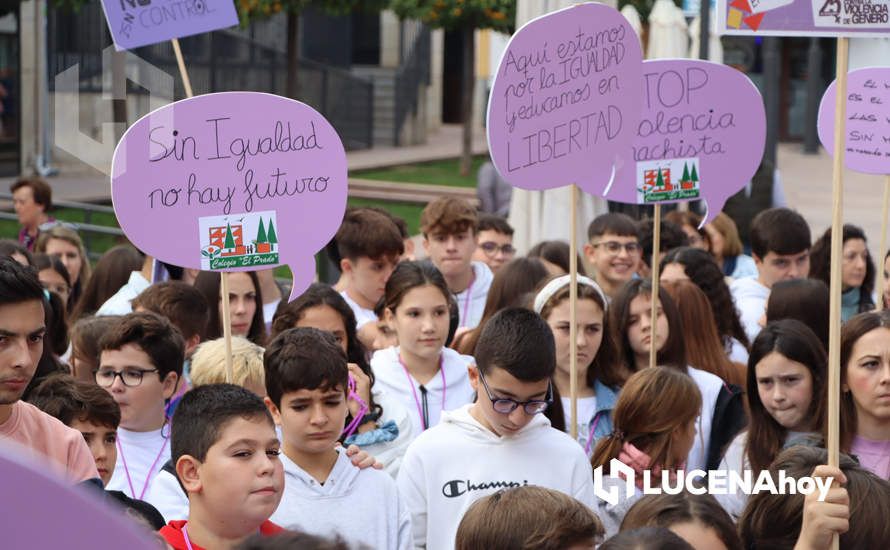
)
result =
(656, 252)
(882, 251)
(186, 83)
(224, 277)
(837, 240)
(573, 308)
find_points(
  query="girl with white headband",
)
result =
(597, 381)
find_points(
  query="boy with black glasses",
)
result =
(140, 364)
(494, 242)
(613, 251)
(502, 440)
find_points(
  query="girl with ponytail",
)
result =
(653, 429)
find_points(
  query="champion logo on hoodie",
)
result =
(458, 487)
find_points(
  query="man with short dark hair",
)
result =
(22, 329)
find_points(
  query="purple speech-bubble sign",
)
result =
(234, 181)
(565, 99)
(135, 23)
(54, 514)
(701, 135)
(868, 120)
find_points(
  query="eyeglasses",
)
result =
(614, 247)
(506, 406)
(129, 377)
(491, 248)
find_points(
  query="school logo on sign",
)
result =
(239, 240)
(668, 180)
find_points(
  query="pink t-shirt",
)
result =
(874, 456)
(64, 447)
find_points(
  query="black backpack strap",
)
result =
(730, 418)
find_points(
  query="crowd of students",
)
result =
(427, 403)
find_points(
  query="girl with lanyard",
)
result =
(865, 386)
(421, 372)
(598, 383)
(786, 394)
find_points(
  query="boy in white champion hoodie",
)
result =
(502, 440)
(307, 383)
(449, 227)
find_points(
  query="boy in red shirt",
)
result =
(226, 451)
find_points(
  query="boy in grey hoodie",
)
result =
(307, 382)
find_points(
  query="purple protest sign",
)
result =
(701, 135)
(868, 120)
(135, 23)
(234, 181)
(804, 17)
(565, 99)
(54, 514)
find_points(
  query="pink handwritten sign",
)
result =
(701, 136)
(234, 181)
(868, 120)
(565, 99)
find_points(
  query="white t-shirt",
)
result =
(362, 506)
(140, 456)
(362, 315)
(269, 312)
(121, 302)
(586, 410)
(167, 496)
(709, 385)
(737, 352)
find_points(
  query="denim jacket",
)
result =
(601, 423)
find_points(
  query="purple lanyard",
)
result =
(596, 420)
(363, 408)
(414, 391)
(185, 536)
(120, 451)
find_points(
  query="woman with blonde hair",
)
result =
(64, 242)
(726, 247)
(653, 429)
